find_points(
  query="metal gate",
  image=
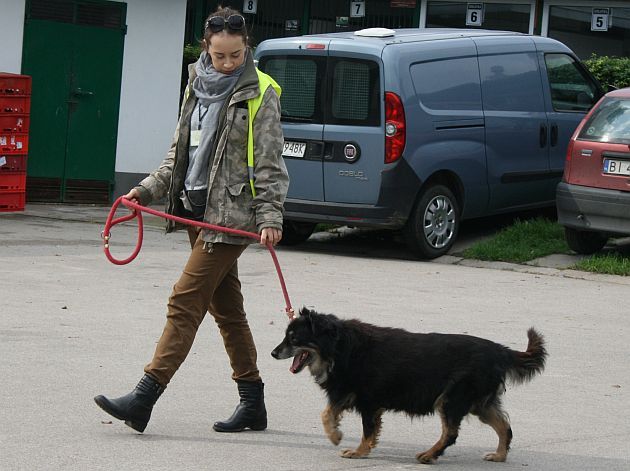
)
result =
(281, 18)
(329, 16)
(73, 49)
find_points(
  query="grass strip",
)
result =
(609, 264)
(523, 241)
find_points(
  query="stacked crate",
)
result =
(15, 105)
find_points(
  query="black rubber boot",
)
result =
(134, 408)
(250, 412)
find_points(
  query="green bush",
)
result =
(191, 53)
(610, 70)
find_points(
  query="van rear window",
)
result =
(337, 90)
(355, 91)
(300, 79)
(610, 122)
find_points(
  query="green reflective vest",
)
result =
(253, 105)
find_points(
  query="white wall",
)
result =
(151, 76)
(11, 35)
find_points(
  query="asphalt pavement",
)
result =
(74, 325)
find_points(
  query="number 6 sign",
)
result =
(249, 6)
(474, 14)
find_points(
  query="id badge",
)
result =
(195, 137)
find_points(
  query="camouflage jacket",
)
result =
(230, 202)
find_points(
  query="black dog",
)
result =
(373, 369)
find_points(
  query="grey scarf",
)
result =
(211, 88)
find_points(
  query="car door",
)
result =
(517, 144)
(570, 92)
(354, 138)
(299, 68)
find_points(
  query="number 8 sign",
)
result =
(249, 6)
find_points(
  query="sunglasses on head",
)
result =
(218, 23)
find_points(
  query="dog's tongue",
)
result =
(297, 362)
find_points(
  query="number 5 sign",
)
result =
(249, 6)
(357, 9)
(599, 20)
(474, 14)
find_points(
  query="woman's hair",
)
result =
(225, 13)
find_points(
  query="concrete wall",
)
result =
(150, 84)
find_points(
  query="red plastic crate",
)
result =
(12, 163)
(14, 84)
(12, 201)
(15, 104)
(12, 182)
(13, 143)
(14, 123)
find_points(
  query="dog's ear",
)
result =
(305, 312)
(323, 324)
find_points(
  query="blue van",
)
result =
(419, 129)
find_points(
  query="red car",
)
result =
(593, 198)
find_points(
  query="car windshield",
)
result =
(610, 122)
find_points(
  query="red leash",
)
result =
(137, 212)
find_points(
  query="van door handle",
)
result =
(554, 135)
(543, 135)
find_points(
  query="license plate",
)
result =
(293, 149)
(617, 167)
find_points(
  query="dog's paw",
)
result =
(352, 454)
(498, 457)
(335, 437)
(425, 458)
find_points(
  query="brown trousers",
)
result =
(209, 283)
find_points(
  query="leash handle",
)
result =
(136, 212)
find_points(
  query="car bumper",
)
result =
(593, 209)
(399, 188)
(359, 215)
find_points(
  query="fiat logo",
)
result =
(350, 152)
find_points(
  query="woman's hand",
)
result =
(133, 195)
(270, 235)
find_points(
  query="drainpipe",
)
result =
(306, 15)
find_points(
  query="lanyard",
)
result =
(201, 116)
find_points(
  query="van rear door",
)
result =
(299, 67)
(354, 138)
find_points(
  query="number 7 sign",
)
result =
(357, 9)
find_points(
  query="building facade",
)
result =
(105, 99)
(586, 26)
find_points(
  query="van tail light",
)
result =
(567, 162)
(395, 132)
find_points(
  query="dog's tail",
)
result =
(530, 362)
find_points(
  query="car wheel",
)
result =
(434, 223)
(584, 242)
(294, 232)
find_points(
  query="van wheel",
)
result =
(584, 242)
(434, 223)
(294, 232)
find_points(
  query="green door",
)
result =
(73, 49)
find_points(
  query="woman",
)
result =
(205, 177)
